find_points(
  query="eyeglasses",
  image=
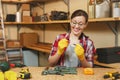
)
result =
(79, 24)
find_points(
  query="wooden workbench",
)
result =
(42, 47)
(98, 74)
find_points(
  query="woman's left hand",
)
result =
(79, 51)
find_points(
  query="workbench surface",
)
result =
(98, 74)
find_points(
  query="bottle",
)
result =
(116, 9)
(91, 9)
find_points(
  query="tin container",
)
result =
(116, 9)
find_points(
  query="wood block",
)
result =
(26, 19)
(13, 44)
(26, 13)
(25, 7)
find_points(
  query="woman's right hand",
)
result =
(62, 44)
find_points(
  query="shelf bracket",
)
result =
(18, 6)
(114, 29)
(67, 2)
(67, 28)
(43, 27)
(41, 5)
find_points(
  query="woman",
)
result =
(73, 49)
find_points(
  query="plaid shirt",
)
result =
(84, 40)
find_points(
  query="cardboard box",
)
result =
(26, 19)
(27, 39)
(25, 7)
(13, 44)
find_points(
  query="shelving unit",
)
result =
(38, 47)
(47, 50)
(104, 20)
(3, 53)
(107, 21)
(47, 47)
(4, 50)
(36, 23)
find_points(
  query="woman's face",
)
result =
(78, 24)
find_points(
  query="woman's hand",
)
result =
(62, 44)
(79, 51)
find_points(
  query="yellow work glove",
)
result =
(62, 44)
(10, 75)
(79, 51)
(1, 76)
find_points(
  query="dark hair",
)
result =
(80, 13)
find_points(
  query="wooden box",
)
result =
(26, 19)
(25, 7)
(26, 13)
(27, 39)
(13, 44)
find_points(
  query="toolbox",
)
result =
(108, 55)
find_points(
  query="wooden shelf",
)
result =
(25, 1)
(61, 21)
(33, 23)
(104, 19)
(42, 47)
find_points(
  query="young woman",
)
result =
(73, 49)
